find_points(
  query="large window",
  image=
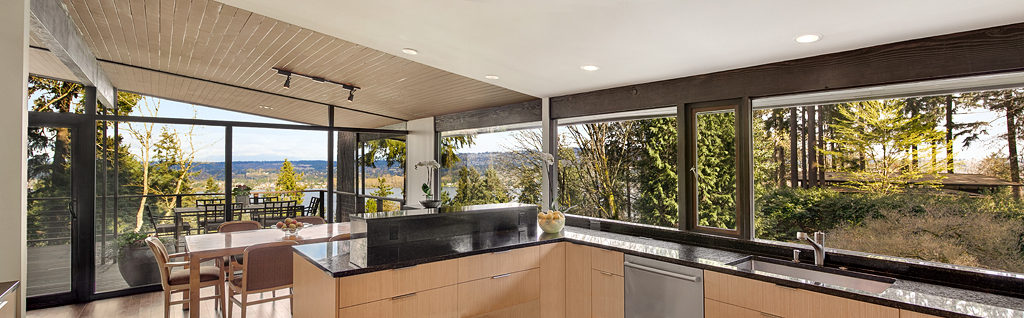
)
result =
(494, 165)
(935, 178)
(621, 170)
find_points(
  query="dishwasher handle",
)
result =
(694, 279)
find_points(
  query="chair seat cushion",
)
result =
(206, 274)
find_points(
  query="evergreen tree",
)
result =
(1010, 102)
(656, 173)
(288, 180)
(716, 170)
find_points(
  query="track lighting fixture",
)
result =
(288, 81)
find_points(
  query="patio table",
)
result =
(218, 245)
(179, 213)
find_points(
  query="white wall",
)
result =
(419, 147)
(13, 124)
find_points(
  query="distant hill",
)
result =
(216, 169)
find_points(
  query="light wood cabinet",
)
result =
(315, 291)
(717, 309)
(525, 310)
(434, 303)
(491, 294)
(577, 281)
(914, 314)
(606, 261)
(608, 294)
(364, 288)
(785, 301)
(552, 280)
(493, 264)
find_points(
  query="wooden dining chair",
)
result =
(177, 281)
(267, 268)
(235, 226)
(310, 219)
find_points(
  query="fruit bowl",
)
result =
(291, 227)
(551, 221)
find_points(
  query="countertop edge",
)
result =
(8, 288)
(725, 270)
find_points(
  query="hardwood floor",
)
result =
(151, 305)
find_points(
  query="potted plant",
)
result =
(241, 193)
(135, 260)
(430, 201)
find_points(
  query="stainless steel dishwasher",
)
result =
(656, 289)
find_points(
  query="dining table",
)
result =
(180, 213)
(202, 247)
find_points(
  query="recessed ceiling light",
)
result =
(266, 107)
(590, 68)
(808, 38)
(410, 51)
(491, 76)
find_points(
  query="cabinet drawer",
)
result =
(823, 305)
(608, 296)
(606, 261)
(490, 294)
(493, 264)
(434, 303)
(364, 288)
(717, 309)
(914, 314)
(420, 277)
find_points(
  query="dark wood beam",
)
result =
(970, 53)
(53, 25)
(528, 111)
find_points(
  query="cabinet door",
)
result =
(608, 292)
(420, 277)
(717, 309)
(490, 294)
(823, 305)
(552, 280)
(373, 309)
(752, 294)
(577, 281)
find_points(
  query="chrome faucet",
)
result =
(818, 243)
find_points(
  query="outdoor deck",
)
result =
(49, 271)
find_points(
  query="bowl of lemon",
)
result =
(551, 221)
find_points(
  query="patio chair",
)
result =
(268, 267)
(278, 211)
(313, 209)
(177, 281)
(311, 219)
(202, 202)
(211, 217)
(164, 224)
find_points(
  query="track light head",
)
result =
(351, 95)
(288, 81)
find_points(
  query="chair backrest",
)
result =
(314, 206)
(310, 219)
(210, 202)
(160, 252)
(341, 237)
(268, 266)
(235, 226)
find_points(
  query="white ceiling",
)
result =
(538, 46)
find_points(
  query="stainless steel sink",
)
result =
(831, 276)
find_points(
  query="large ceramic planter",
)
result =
(243, 199)
(138, 266)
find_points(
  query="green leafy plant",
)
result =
(136, 239)
(241, 189)
(426, 190)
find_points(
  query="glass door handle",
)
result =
(71, 208)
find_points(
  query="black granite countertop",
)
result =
(341, 259)
(6, 288)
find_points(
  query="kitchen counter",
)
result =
(340, 259)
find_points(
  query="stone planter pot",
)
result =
(243, 199)
(137, 265)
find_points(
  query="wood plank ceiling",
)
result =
(208, 53)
